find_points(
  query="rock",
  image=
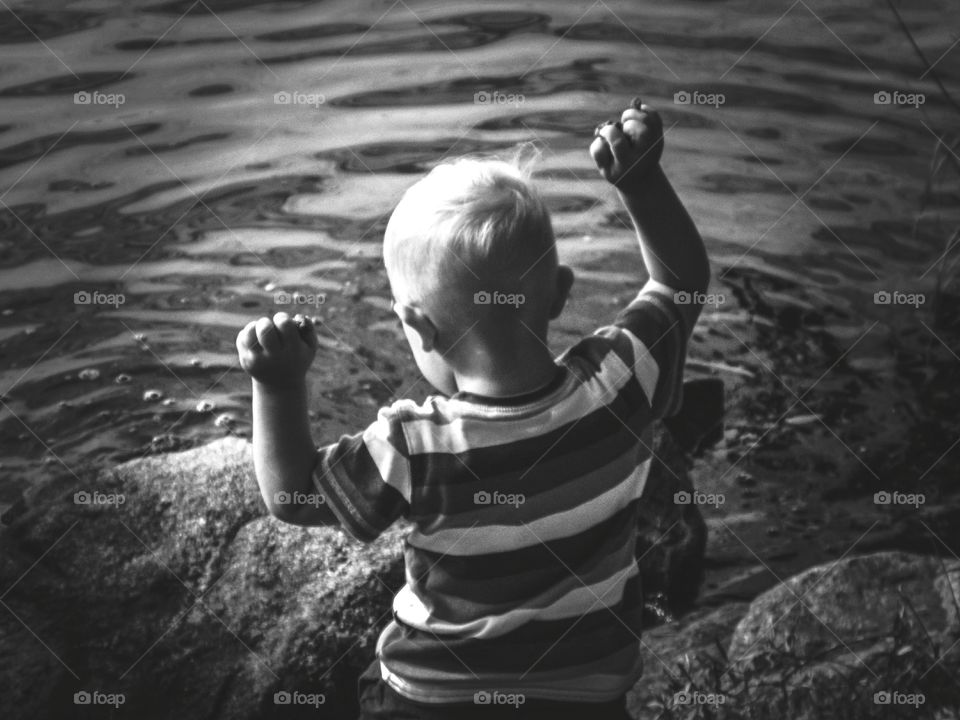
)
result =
(185, 594)
(850, 631)
(699, 421)
(846, 601)
(672, 537)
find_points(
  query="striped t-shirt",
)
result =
(520, 568)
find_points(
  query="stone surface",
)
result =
(185, 594)
(829, 606)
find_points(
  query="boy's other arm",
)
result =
(277, 354)
(627, 155)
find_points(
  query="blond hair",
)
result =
(470, 225)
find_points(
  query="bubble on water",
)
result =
(224, 420)
(169, 401)
(89, 374)
(122, 378)
(204, 406)
(152, 395)
(270, 287)
(140, 337)
(195, 361)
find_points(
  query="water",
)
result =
(199, 196)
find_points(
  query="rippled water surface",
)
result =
(183, 196)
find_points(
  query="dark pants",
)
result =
(379, 701)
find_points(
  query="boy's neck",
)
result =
(511, 378)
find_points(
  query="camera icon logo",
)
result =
(482, 298)
(481, 498)
(882, 98)
(882, 498)
(282, 498)
(682, 297)
(481, 697)
(81, 698)
(882, 697)
(481, 98)
(82, 98)
(81, 498)
(682, 497)
(282, 698)
(81, 297)
(281, 298)
(681, 98)
(281, 98)
(882, 297)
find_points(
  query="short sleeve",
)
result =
(650, 335)
(365, 478)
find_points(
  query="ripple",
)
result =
(65, 84)
(27, 25)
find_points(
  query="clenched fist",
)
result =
(278, 351)
(626, 152)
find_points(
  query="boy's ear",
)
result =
(564, 283)
(421, 324)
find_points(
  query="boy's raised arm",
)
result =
(276, 355)
(628, 156)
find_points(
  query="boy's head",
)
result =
(473, 267)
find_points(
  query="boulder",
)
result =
(164, 583)
(844, 603)
(185, 596)
(872, 636)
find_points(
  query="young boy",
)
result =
(522, 477)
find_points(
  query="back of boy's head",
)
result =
(470, 227)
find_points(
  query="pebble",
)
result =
(195, 362)
(152, 395)
(745, 479)
(140, 337)
(89, 374)
(122, 378)
(204, 406)
(224, 420)
(168, 401)
(270, 287)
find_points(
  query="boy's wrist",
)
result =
(293, 386)
(650, 179)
